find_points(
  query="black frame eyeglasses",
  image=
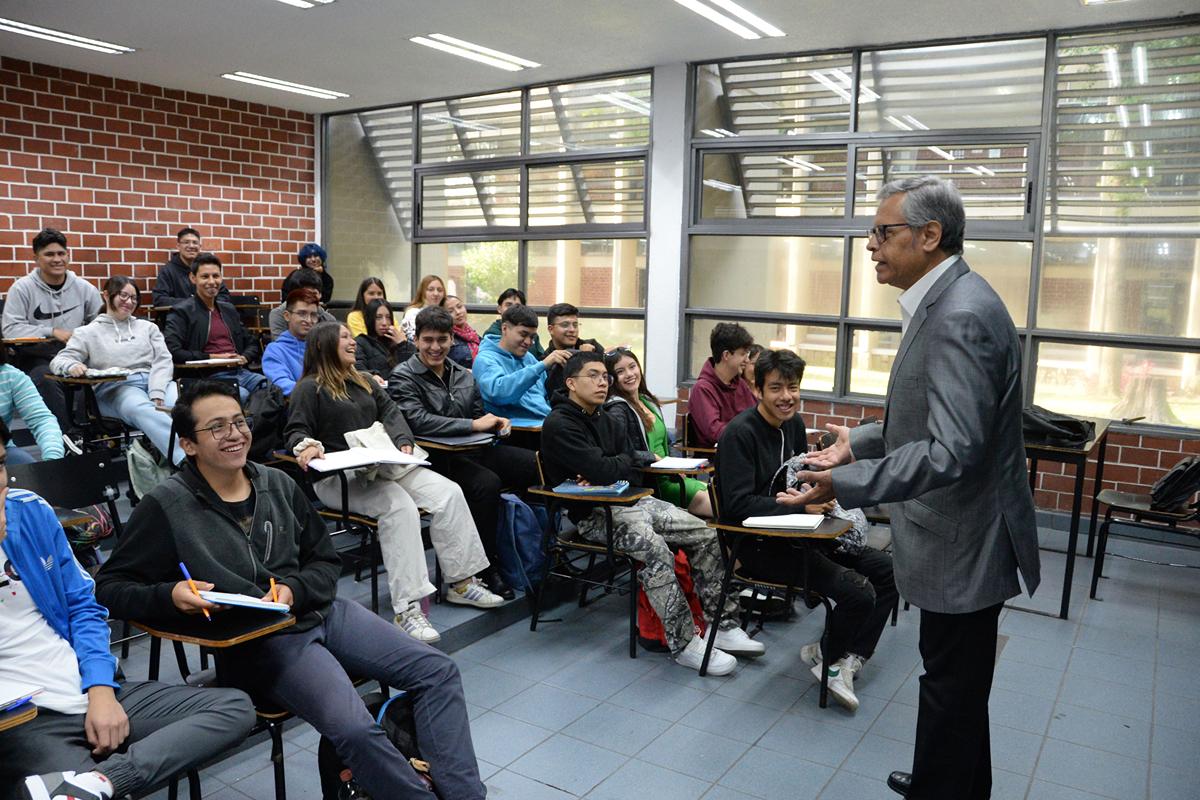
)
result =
(223, 430)
(879, 232)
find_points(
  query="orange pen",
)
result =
(274, 591)
(195, 591)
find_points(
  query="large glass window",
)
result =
(590, 115)
(810, 182)
(816, 344)
(592, 273)
(787, 274)
(588, 193)
(488, 126)
(483, 199)
(476, 272)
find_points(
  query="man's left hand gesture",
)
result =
(820, 490)
(106, 725)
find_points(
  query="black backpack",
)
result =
(268, 407)
(1055, 430)
(395, 716)
(1172, 491)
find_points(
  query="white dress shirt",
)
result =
(912, 297)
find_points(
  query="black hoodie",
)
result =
(183, 520)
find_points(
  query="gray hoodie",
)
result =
(133, 344)
(32, 308)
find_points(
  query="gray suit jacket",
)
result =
(949, 458)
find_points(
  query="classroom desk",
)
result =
(1077, 456)
(680, 475)
(17, 716)
(446, 444)
(92, 415)
(228, 629)
(23, 340)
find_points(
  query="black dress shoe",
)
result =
(497, 585)
(900, 783)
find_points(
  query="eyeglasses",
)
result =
(880, 232)
(224, 430)
(311, 315)
(594, 377)
(618, 351)
(567, 326)
(122, 297)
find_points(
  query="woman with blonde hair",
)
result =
(334, 398)
(431, 291)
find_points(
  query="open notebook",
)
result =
(243, 601)
(362, 457)
(788, 522)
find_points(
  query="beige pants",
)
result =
(394, 503)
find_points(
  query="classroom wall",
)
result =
(120, 166)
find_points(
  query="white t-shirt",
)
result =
(32, 652)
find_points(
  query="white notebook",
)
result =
(362, 457)
(791, 522)
(673, 462)
(243, 601)
(17, 694)
(213, 362)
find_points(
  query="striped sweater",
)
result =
(17, 394)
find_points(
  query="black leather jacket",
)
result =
(436, 406)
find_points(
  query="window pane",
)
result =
(471, 127)
(782, 183)
(1005, 265)
(816, 344)
(991, 178)
(871, 361)
(613, 332)
(977, 85)
(1119, 383)
(1127, 141)
(1114, 284)
(369, 200)
(613, 112)
(471, 199)
(592, 193)
(604, 273)
(780, 96)
(789, 274)
(477, 272)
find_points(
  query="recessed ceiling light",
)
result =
(1100, 2)
(306, 3)
(284, 86)
(751, 25)
(475, 52)
(61, 37)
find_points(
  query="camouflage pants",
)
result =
(647, 531)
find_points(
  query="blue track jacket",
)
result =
(283, 361)
(511, 387)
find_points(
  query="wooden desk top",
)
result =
(829, 528)
(84, 380)
(17, 716)
(453, 447)
(625, 498)
(528, 428)
(19, 340)
(228, 628)
(224, 363)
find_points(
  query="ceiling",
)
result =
(361, 46)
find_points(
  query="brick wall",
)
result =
(1132, 464)
(120, 166)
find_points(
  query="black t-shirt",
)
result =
(243, 512)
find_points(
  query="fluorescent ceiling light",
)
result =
(1100, 2)
(916, 123)
(721, 185)
(284, 86)
(61, 37)
(865, 94)
(475, 52)
(1140, 69)
(746, 31)
(306, 3)
(904, 126)
(461, 123)
(800, 163)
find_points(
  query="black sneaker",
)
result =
(67, 786)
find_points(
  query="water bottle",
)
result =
(350, 789)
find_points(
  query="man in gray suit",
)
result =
(949, 460)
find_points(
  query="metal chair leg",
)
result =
(194, 792)
(726, 580)
(826, 635)
(633, 608)
(275, 728)
(1101, 549)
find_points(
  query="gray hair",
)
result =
(931, 199)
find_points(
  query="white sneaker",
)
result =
(735, 641)
(67, 786)
(811, 654)
(719, 663)
(72, 445)
(473, 593)
(852, 666)
(416, 625)
(838, 687)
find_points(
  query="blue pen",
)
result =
(195, 591)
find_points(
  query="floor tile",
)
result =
(1136, 702)
(897, 721)
(1015, 751)
(1096, 729)
(601, 678)
(810, 739)
(869, 707)
(848, 786)
(876, 757)
(639, 779)
(617, 728)
(1170, 784)
(760, 683)
(1042, 790)
(506, 785)
(547, 706)
(1180, 681)
(658, 698)
(768, 774)
(697, 753)
(1038, 652)
(1181, 713)
(568, 764)
(487, 687)
(733, 718)
(1176, 749)
(1127, 671)
(1091, 770)
(1021, 711)
(501, 740)
(1027, 679)
(719, 792)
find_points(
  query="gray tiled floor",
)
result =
(1104, 705)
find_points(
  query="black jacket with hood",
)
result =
(183, 520)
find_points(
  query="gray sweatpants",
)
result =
(647, 531)
(171, 729)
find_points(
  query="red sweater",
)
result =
(712, 404)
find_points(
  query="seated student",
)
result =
(512, 380)
(719, 393)
(333, 398)
(583, 441)
(174, 285)
(465, 344)
(303, 278)
(116, 339)
(508, 298)
(238, 524)
(18, 395)
(49, 302)
(370, 289)
(283, 359)
(629, 395)
(440, 398)
(431, 291)
(312, 256)
(752, 354)
(750, 460)
(383, 346)
(207, 326)
(562, 320)
(94, 738)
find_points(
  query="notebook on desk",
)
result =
(16, 695)
(673, 462)
(363, 457)
(605, 490)
(788, 522)
(244, 601)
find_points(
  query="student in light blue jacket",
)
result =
(512, 380)
(18, 395)
(283, 360)
(94, 738)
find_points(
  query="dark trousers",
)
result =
(481, 474)
(52, 393)
(953, 753)
(308, 674)
(861, 587)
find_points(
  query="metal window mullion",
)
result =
(523, 266)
